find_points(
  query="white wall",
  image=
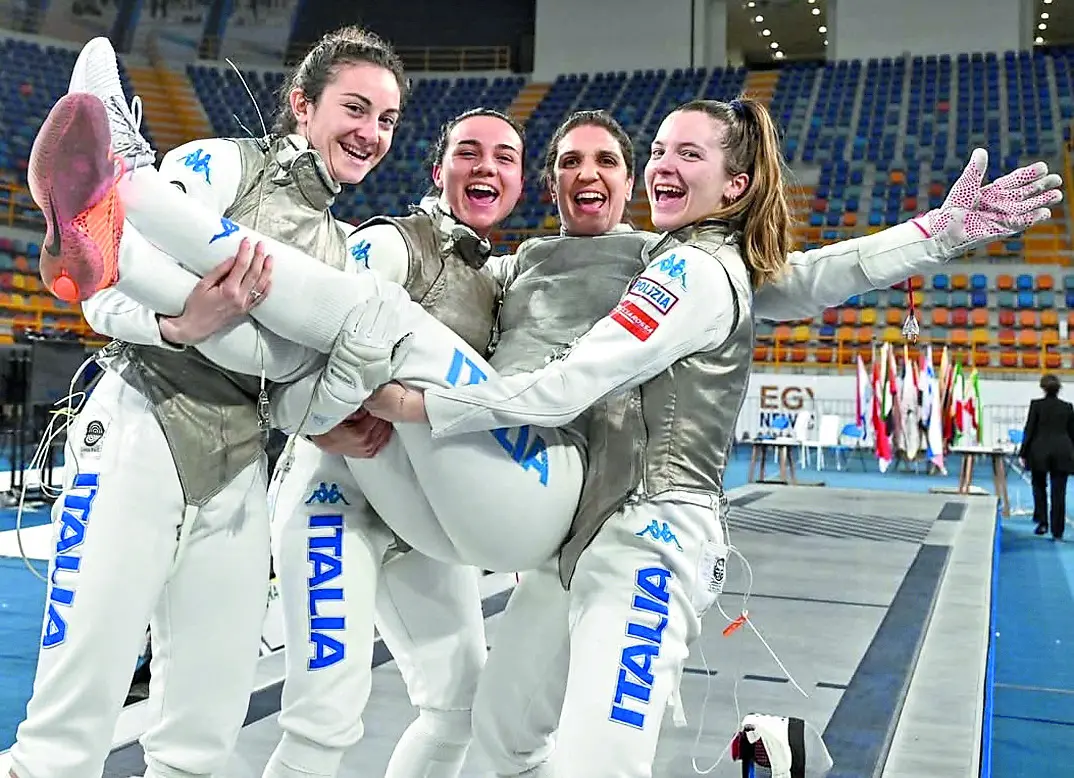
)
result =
(595, 36)
(862, 29)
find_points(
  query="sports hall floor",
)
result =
(878, 605)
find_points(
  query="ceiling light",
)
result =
(816, 12)
(1047, 2)
(1044, 15)
(750, 4)
(779, 55)
(766, 32)
(822, 29)
(825, 41)
(774, 45)
(1042, 26)
(1038, 39)
(758, 18)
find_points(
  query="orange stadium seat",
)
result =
(1049, 317)
(830, 316)
(960, 281)
(940, 317)
(1045, 282)
(960, 317)
(1027, 319)
(868, 316)
(979, 336)
(1008, 358)
(1006, 337)
(894, 317)
(979, 317)
(959, 337)
(848, 315)
(1006, 317)
(1004, 282)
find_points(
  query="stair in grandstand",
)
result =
(172, 109)
(528, 99)
(761, 85)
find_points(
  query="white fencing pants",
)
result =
(505, 498)
(129, 552)
(634, 606)
(328, 549)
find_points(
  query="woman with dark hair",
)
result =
(163, 518)
(1048, 453)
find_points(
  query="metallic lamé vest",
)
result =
(560, 288)
(210, 416)
(444, 275)
(687, 415)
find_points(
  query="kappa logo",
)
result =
(634, 320)
(198, 162)
(661, 533)
(326, 494)
(91, 441)
(360, 252)
(654, 293)
(674, 267)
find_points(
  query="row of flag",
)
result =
(919, 411)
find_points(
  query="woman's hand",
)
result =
(396, 402)
(224, 295)
(360, 436)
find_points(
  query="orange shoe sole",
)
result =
(72, 177)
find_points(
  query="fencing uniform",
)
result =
(537, 472)
(330, 547)
(163, 518)
(522, 689)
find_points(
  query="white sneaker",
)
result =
(96, 71)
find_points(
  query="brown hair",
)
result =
(345, 46)
(751, 145)
(601, 119)
(1050, 384)
(439, 149)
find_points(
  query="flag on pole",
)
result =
(933, 416)
(880, 430)
(909, 407)
(864, 394)
(973, 405)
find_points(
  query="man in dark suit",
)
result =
(1048, 453)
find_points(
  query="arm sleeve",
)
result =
(380, 248)
(501, 268)
(207, 170)
(662, 318)
(1030, 430)
(820, 278)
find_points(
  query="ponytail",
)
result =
(751, 145)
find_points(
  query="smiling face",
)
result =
(591, 184)
(353, 121)
(480, 173)
(686, 177)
